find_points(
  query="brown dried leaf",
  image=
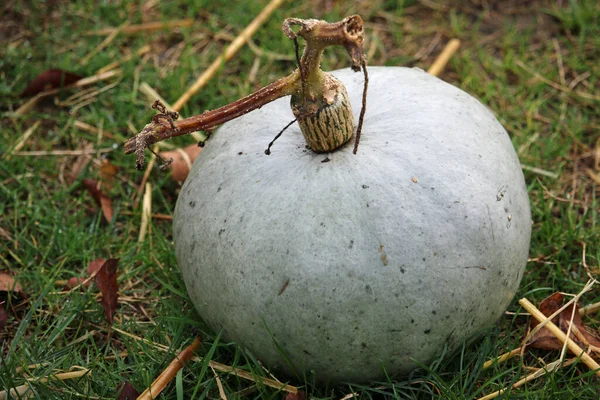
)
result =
(101, 199)
(8, 284)
(95, 265)
(108, 171)
(3, 317)
(126, 391)
(80, 163)
(565, 320)
(545, 340)
(106, 280)
(182, 161)
(299, 395)
(50, 79)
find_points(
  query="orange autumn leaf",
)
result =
(100, 198)
(182, 161)
(108, 171)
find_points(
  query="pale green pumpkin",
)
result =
(352, 265)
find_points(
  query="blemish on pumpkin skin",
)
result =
(382, 255)
(285, 285)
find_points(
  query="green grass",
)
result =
(55, 230)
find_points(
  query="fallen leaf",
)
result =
(80, 162)
(3, 317)
(182, 161)
(95, 265)
(50, 79)
(126, 391)
(545, 340)
(107, 173)
(106, 280)
(74, 282)
(583, 335)
(92, 268)
(101, 199)
(8, 284)
(299, 395)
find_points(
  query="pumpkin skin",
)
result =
(360, 265)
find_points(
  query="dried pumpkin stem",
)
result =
(363, 109)
(312, 89)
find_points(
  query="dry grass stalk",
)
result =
(503, 357)
(145, 177)
(553, 366)
(592, 308)
(560, 335)
(440, 63)
(115, 64)
(140, 339)
(271, 55)
(21, 142)
(222, 394)
(23, 391)
(594, 176)
(575, 299)
(149, 26)
(557, 86)
(83, 97)
(146, 212)
(92, 129)
(231, 50)
(61, 152)
(220, 367)
(103, 44)
(559, 61)
(80, 83)
(540, 171)
(165, 377)
(426, 50)
(249, 376)
(164, 217)
(589, 309)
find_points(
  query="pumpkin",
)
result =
(349, 266)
